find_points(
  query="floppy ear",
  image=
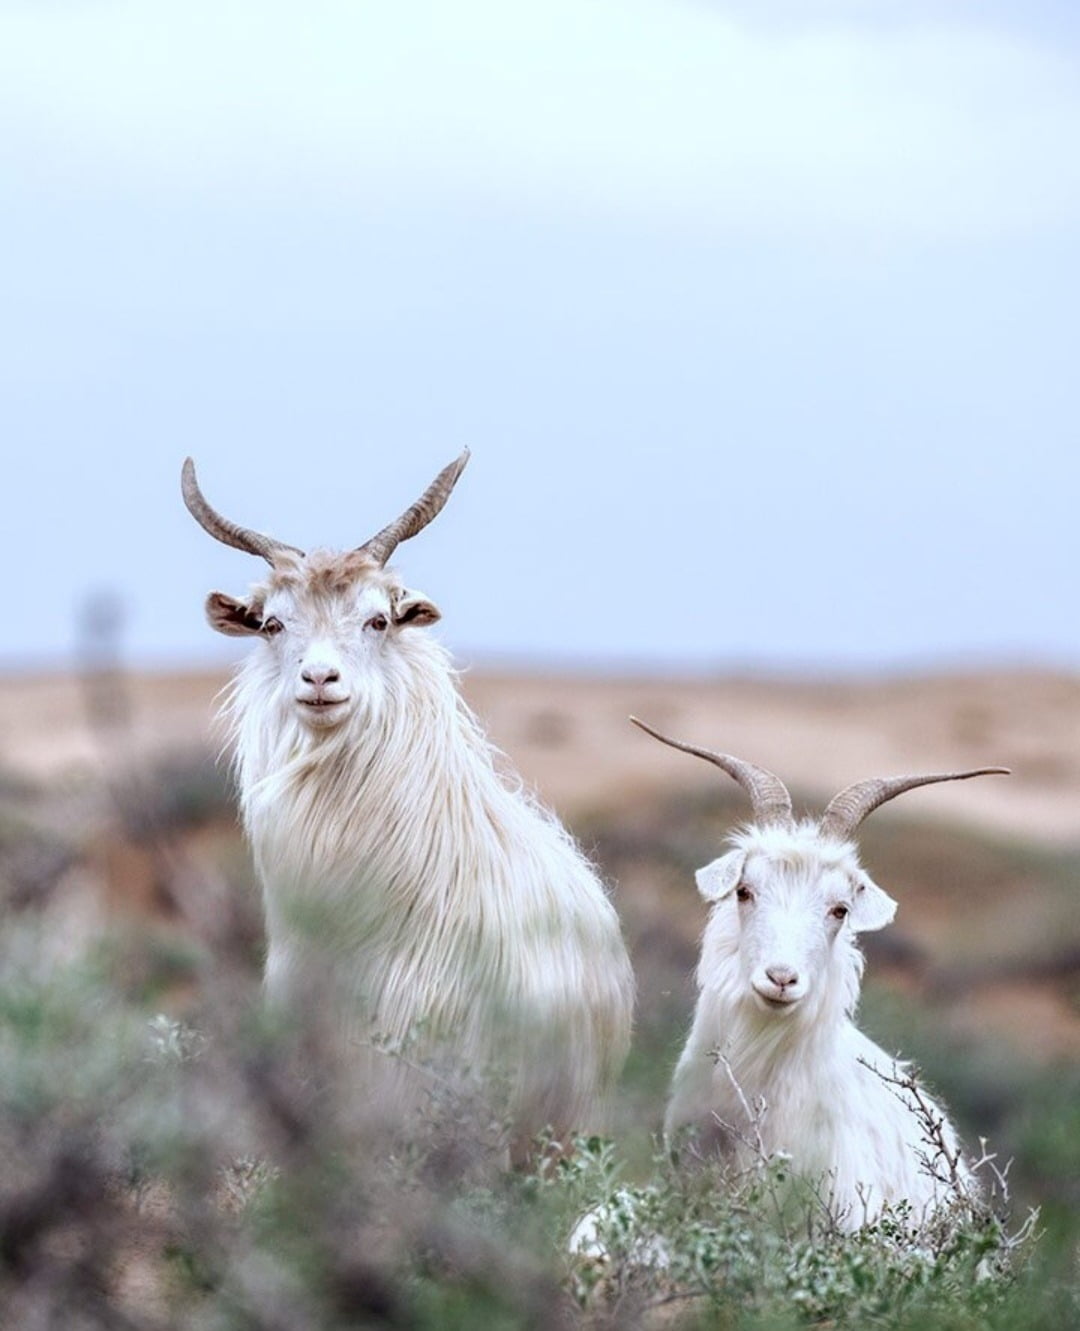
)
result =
(236, 618)
(717, 880)
(415, 608)
(871, 907)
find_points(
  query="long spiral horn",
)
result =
(417, 516)
(768, 794)
(846, 811)
(221, 529)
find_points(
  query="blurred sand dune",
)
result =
(569, 737)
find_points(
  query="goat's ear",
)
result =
(719, 879)
(871, 907)
(415, 608)
(236, 618)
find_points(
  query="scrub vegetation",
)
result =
(167, 1165)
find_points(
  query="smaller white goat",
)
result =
(774, 1061)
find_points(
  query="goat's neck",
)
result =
(762, 1049)
(404, 771)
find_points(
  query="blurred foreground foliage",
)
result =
(159, 1173)
(165, 1174)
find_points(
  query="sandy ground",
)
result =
(569, 737)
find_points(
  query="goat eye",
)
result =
(378, 622)
(743, 893)
(839, 912)
(272, 626)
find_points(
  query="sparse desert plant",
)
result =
(756, 1239)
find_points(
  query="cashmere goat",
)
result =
(774, 1061)
(443, 915)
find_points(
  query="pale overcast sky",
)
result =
(761, 319)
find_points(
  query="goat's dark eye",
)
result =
(743, 893)
(839, 912)
(379, 623)
(272, 626)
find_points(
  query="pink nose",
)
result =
(782, 976)
(319, 674)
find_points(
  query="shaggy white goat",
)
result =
(779, 982)
(441, 912)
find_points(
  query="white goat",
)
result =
(774, 1061)
(441, 911)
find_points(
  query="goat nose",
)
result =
(782, 976)
(319, 674)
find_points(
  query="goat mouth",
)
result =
(322, 704)
(775, 1004)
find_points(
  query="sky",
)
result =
(760, 320)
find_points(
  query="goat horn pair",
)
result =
(844, 812)
(379, 548)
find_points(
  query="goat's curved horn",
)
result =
(221, 529)
(767, 792)
(415, 518)
(847, 810)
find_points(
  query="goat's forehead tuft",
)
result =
(799, 846)
(329, 572)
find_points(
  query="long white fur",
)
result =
(814, 1071)
(437, 904)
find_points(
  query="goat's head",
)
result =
(327, 620)
(793, 888)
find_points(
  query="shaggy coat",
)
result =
(773, 1030)
(407, 882)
